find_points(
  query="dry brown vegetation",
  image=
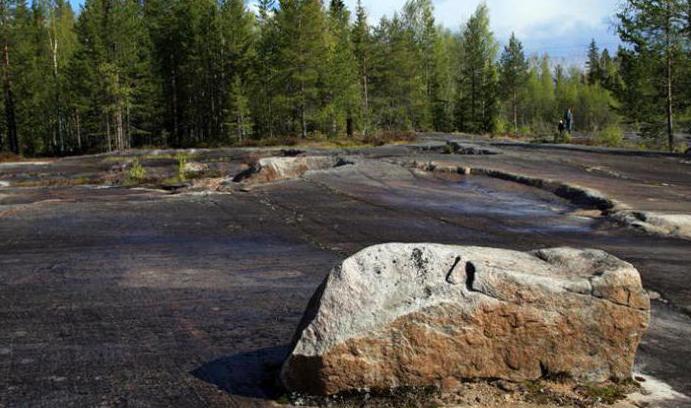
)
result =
(6, 157)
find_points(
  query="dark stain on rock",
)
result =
(470, 276)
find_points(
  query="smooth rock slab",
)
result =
(418, 314)
(284, 168)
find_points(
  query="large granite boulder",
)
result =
(418, 314)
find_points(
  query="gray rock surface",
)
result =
(416, 314)
(283, 168)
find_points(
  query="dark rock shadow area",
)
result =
(252, 374)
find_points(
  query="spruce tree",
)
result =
(594, 64)
(10, 12)
(395, 76)
(303, 50)
(362, 50)
(238, 53)
(341, 87)
(265, 69)
(444, 80)
(478, 76)
(514, 73)
(419, 19)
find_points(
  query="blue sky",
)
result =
(562, 28)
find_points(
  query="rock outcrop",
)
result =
(668, 225)
(419, 314)
(283, 168)
(195, 168)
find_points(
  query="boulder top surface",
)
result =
(387, 281)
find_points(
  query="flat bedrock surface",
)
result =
(131, 297)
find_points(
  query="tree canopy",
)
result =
(125, 73)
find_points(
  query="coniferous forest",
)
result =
(120, 74)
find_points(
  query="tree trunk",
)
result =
(239, 128)
(176, 131)
(515, 113)
(303, 115)
(110, 146)
(12, 137)
(128, 127)
(670, 107)
(365, 81)
(53, 42)
(271, 117)
(119, 129)
(79, 131)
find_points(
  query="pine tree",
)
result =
(238, 53)
(539, 112)
(639, 96)
(594, 60)
(444, 81)
(265, 68)
(56, 21)
(478, 77)
(112, 70)
(658, 29)
(514, 73)
(611, 77)
(341, 87)
(9, 12)
(202, 72)
(394, 76)
(419, 19)
(303, 49)
(362, 49)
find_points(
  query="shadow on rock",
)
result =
(251, 375)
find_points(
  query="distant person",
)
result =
(560, 135)
(568, 121)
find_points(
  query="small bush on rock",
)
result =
(611, 136)
(136, 174)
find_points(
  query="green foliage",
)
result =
(182, 159)
(513, 77)
(608, 394)
(395, 83)
(656, 63)
(478, 79)
(136, 173)
(502, 126)
(127, 73)
(611, 136)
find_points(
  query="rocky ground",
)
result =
(181, 287)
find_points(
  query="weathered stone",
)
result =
(194, 168)
(418, 314)
(283, 168)
(675, 225)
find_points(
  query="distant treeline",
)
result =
(130, 73)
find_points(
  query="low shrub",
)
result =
(182, 159)
(136, 173)
(611, 136)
